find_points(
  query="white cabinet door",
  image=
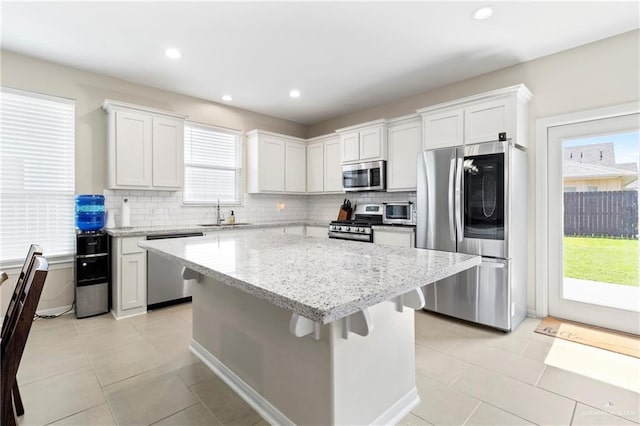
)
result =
(315, 167)
(371, 143)
(350, 146)
(332, 166)
(483, 121)
(133, 280)
(295, 167)
(443, 129)
(271, 166)
(404, 144)
(168, 152)
(397, 239)
(133, 138)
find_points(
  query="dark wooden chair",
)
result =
(10, 319)
(15, 330)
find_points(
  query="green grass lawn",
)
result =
(606, 260)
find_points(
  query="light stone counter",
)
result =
(137, 231)
(320, 279)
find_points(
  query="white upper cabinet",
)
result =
(364, 142)
(295, 167)
(350, 146)
(478, 118)
(404, 144)
(315, 167)
(484, 120)
(443, 129)
(168, 152)
(332, 165)
(324, 165)
(275, 163)
(145, 147)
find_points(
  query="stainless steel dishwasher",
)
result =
(165, 285)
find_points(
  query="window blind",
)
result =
(37, 156)
(213, 165)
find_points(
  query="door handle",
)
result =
(452, 212)
(458, 199)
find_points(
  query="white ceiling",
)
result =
(342, 56)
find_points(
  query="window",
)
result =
(37, 156)
(592, 189)
(212, 165)
(570, 189)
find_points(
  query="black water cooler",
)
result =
(93, 266)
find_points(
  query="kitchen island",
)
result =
(309, 330)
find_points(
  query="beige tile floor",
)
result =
(139, 371)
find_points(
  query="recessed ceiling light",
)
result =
(294, 93)
(227, 98)
(482, 13)
(172, 53)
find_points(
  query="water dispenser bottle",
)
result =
(90, 212)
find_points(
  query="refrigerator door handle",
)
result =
(458, 199)
(452, 211)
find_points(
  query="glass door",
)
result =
(593, 222)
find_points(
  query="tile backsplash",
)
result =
(165, 208)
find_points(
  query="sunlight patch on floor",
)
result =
(619, 370)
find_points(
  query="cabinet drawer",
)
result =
(130, 245)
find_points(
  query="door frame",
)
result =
(542, 211)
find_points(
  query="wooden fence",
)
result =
(601, 214)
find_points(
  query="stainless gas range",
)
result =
(358, 228)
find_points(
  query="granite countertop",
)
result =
(318, 278)
(174, 229)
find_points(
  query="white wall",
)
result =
(587, 77)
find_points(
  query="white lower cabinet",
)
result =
(393, 238)
(129, 272)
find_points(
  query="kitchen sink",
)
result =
(224, 224)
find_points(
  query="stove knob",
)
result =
(360, 229)
(348, 228)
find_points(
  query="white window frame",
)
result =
(58, 243)
(238, 190)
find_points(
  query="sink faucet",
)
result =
(218, 215)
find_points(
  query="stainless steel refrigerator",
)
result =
(473, 199)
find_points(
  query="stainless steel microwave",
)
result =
(398, 213)
(370, 176)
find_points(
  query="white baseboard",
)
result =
(268, 412)
(56, 311)
(271, 414)
(400, 409)
(532, 313)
